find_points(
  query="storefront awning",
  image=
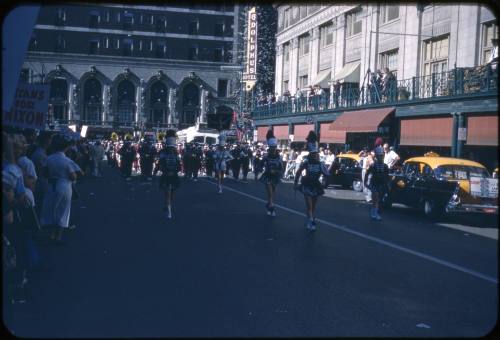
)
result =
(426, 131)
(361, 121)
(482, 130)
(300, 131)
(281, 131)
(331, 136)
(261, 133)
(322, 79)
(349, 73)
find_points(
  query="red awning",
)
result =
(261, 133)
(281, 131)
(427, 131)
(361, 121)
(482, 130)
(331, 136)
(300, 131)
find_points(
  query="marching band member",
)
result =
(170, 165)
(273, 168)
(221, 157)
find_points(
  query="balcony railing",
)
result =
(454, 83)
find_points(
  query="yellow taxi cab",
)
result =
(445, 184)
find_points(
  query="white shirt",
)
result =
(27, 166)
(330, 159)
(390, 158)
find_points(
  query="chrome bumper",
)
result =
(454, 205)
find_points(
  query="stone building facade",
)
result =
(134, 65)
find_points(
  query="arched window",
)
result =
(92, 91)
(126, 92)
(191, 96)
(159, 93)
(58, 89)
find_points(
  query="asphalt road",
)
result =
(222, 267)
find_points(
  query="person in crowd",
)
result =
(221, 157)
(196, 158)
(31, 136)
(377, 179)
(245, 156)
(310, 184)
(61, 172)
(336, 93)
(366, 160)
(389, 85)
(147, 153)
(26, 165)
(186, 160)
(97, 155)
(329, 158)
(127, 157)
(170, 165)
(273, 170)
(299, 100)
(391, 158)
(310, 97)
(236, 161)
(39, 156)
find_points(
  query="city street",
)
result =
(222, 267)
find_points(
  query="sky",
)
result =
(16, 34)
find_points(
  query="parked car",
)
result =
(345, 171)
(441, 185)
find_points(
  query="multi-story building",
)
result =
(439, 55)
(113, 65)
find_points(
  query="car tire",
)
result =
(357, 186)
(431, 210)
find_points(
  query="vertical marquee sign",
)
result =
(250, 75)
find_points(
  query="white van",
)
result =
(192, 134)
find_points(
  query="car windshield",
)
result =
(210, 140)
(460, 172)
(198, 139)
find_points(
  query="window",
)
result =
(61, 17)
(303, 81)
(140, 45)
(193, 27)
(436, 56)
(490, 31)
(287, 18)
(303, 11)
(108, 17)
(128, 21)
(326, 35)
(60, 43)
(193, 52)
(285, 86)
(151, 45)
(141, 19)
(353, 23)
(161, 24)
(94, 19)
(222, 88)
(390, 60)
(161, 50)
(118, 17)
(93, 46)
(389, 12)
(219, 29)
(218, 54)
(304, 45)
(286, 52)
(106, 42)
(152, 19)
(128, 47)
(34, 41)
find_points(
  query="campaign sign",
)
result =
(484, 187)
(29, 108)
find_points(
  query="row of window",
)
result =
(128, 20)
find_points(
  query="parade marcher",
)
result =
(170, 165)
(61, 172)
(97, 153)
(127, 157)
(310, 184)
(186, 160)
(245, 156)
(236, 161)
(273, 170)
(376, 179)
(209, 161)
(221, 157)
(147, 152)
(195, 160)
(257, 164)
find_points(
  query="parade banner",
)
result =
(250, 74)
(29, 108)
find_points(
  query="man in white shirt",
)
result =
(391, 157)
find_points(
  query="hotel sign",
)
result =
(250, 75)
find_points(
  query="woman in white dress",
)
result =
(61, 172)
(221, 157)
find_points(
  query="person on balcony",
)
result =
(336, 93)
(389, 85)
(299, 98)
